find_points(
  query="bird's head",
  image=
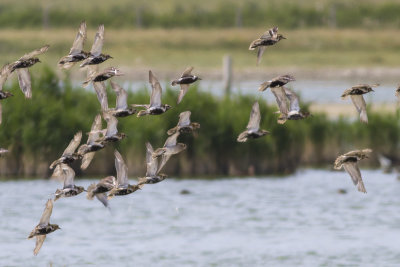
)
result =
(280, 37)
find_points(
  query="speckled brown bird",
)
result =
(44, 227)
(349, 162)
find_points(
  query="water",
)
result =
(314, 91)
(299, 220)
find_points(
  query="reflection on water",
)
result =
(299, 220)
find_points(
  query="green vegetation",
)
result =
(190, 13)
(37, 131)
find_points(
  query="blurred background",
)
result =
(330, 46)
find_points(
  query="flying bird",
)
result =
(276, 82)
(76, 53)
(122, 187)
(87, 151)
(268, 38)
(121, 107)
(106, 74)
(294, 110)
(253, 127)
(356, 93)
(349, 162)
(111, 133)
(21, 67)
(155, 107)
(69, 189)
(184, 124)
(44, 227)
(100, 189)
(184, 81)
(96, 57)
(152, 176)
(171, 147)
(69, 154)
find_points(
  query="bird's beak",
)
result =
(199, 78)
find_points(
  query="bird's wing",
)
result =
(98, 42)
(171, 141)
(355, 174)
(35, 53)
(109, 181)
(182, 92)
(73, 144)
(361, 106)
(69, 175)
(112, 123)
(293, 99)
(164, 160)
(102, 197)
(45, 219)
(101, 93)
(122, 169)
(4, 73)
(24, 80)
(80, 38)
(280, 96)
(155, 99)
(122, 96)
(187, 72)
(39, 242)
(87, 159)
(151, 163)
(255, 117)
(184, 118)
(260, 52)
(94, 133)
(58, 173)
(1, 113)
(270, 33)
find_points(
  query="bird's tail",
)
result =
(264, 86)
(242, 137)
(142, 113)
(159, 152)
(282, 119)
(172, 130)
(86, 83)
(90, 195)
(141, 181)
(254, 44)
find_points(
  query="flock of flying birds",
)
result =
(98, 138)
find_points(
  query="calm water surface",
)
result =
(300, 220)
(318, 91)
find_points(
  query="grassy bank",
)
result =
(176, 48)
(37, 131)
